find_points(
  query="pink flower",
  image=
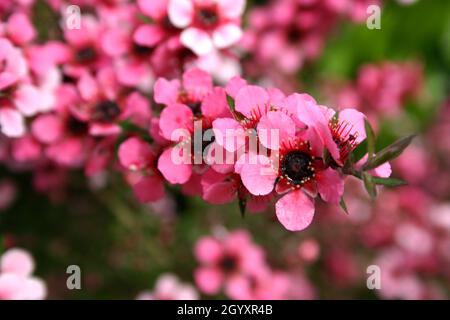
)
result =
(12, 123)
(221, 188)
(13, 66)
(398, 281)
(84, 52)
(104, 106)
(196, 100)
(285, 34)
(297, 166)
(207, 24)
(20, 29)
(225, 262)
(138, 156)
(16, 281)
(196, 84)
(169, 287)
(62, 133)
(251, 103)
(161, 29)
(309, 250)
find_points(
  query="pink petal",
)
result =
(295, 210)
(175, 171)
(133, 72)
(17, 261)
(275, 127)
(234, 85)
(180, 12)
(28, 99)
(135, 154)
(208, 250)
(104, 129)
(229, 133)
(137, 110)
(382, 171)
(148, 35)
(208, 280)
(216, 188)
(155, 9)
(34, 289)
(226, 35)
(356, 119)
(197, 40)
(166, 92)
(251, 98)
(197, 83)
(87, 87)
(313, 116)
(258, 176)
(11, 286)
(232, 8)
(20, 28)
(69, 152)
(174, 119)
(149, 189)
(276, 96)
(215, 104)
(12, 123)
(115, 42)
(239, 287)
(25, 149)
(330, 185)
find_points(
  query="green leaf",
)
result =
(343, 205)
(360, 151)
(370, 138)
(230, 101)
(389, 153)
(389, 182)
(369, 184)
(236, 114)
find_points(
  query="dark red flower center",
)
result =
(141, 50)
(293, 34)
(296, 166)
(106, 111)
(76, 127)
(228, 263)
(86, 55)
(207, 17)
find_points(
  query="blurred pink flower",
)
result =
(207, 24)
(227, 263)
(16, 281)
(138, 156)
(168, 287)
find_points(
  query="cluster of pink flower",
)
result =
(62, 101)
(169, 287)
(84, 95)
(288, 33)
(16, 280)
(380, 90)
(406, 230)
(232, 264)
(242, 158)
